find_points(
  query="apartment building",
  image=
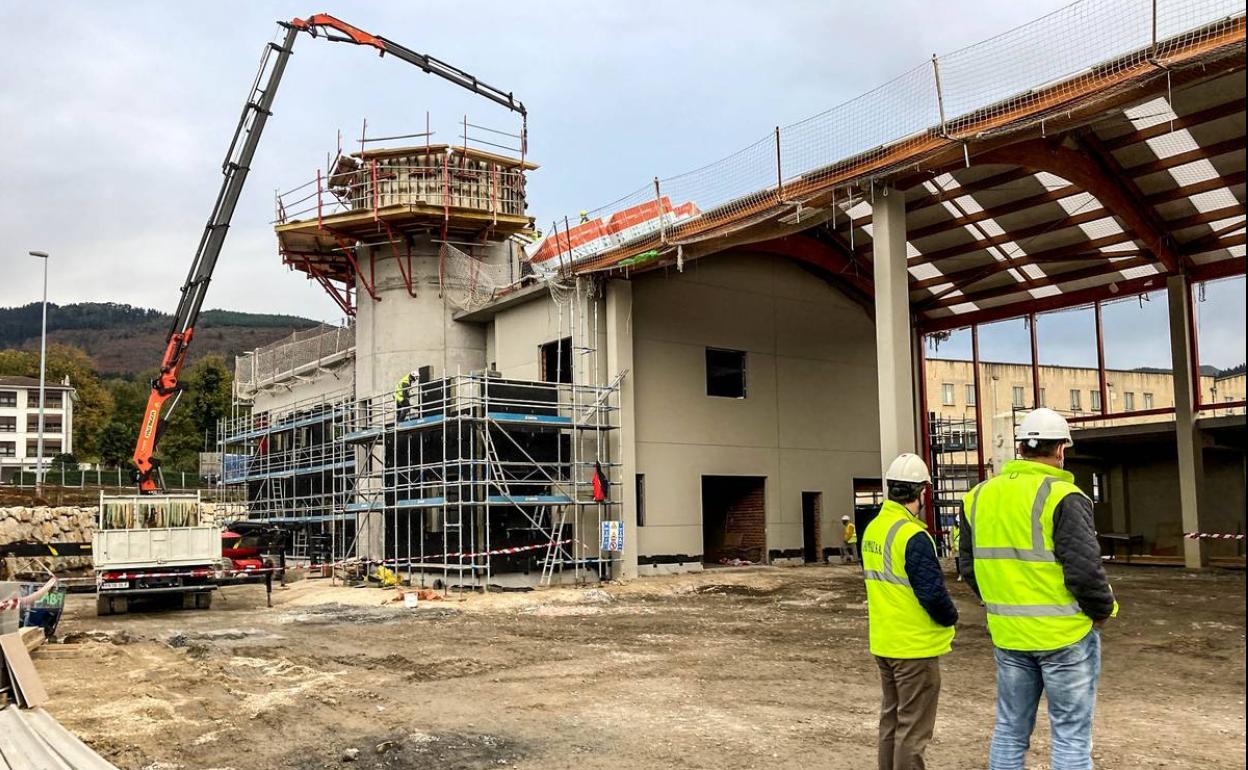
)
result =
(19, 422)
(1074, 391)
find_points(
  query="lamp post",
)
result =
(43, 368)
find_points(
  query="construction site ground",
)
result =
(729, 668)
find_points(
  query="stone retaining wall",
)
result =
(71, 524)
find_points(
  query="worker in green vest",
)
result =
(1029, 550)
(403, 395)
(910, 615)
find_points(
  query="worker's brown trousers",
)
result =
(908, 713)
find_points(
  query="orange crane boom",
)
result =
(166, 386)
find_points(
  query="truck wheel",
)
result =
(190, 601)
(118, 605)
(103, 606)
(203, 601)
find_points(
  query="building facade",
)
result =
(1073, 391)
(19, 423)
(741, 391)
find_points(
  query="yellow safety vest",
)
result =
(1020, 580)
(851, 534)
(898, 625)
(400, 390)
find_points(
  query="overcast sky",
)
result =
(115, 118)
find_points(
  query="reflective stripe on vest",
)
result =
(1024, 590)
(899, 627)
(888, 575)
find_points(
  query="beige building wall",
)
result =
(809, 421)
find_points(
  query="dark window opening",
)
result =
(424, 374)
(725, 373)
(557, 361)
(641, 499)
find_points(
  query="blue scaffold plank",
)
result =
(291, 472)
(363, 507)
(420, 422)
(318, 519)
(421, 502)
(281, 426)
(529, 500)
(359, 436)
(517, 418)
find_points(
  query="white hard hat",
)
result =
(844, 518)
(909, 468)
(1043, 424)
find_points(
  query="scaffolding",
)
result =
(955, 469)
(288, 464)
(463, 478)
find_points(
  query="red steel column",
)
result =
(1035, 363)
(1102, 382)
(979, 409)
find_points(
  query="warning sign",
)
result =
(613, 536)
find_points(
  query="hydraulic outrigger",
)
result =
(256, 111)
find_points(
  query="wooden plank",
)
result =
(22, 674)
(22, 747)
(73, 751)
(32, 637)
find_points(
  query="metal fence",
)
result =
(301, 349)
(1033, 70)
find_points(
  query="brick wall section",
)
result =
(747, 515)
(818, 511)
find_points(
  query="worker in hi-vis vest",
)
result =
(849, 534)
(910, 615)
(403, 395)
(1029, 550)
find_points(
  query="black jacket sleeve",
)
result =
(928, 582)
(966, 553)
(1079, 553)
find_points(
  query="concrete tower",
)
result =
(403, 239)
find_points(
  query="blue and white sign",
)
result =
(613, 536)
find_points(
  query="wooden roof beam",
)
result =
(1049, 280)
(1192, 120)
(1090, 171)
(819, 253)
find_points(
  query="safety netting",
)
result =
(1019, 78)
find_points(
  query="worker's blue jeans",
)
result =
(1068, 679)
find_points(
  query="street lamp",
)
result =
(43, 368)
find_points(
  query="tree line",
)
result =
(18, 324)
(108, 410)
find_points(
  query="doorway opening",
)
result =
(812, 526)
(734, 519)
(868, 497)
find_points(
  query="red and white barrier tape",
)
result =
(1212, 536)
(198, 573)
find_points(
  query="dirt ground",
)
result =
(755, 668)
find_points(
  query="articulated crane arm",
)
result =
(166, 387)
